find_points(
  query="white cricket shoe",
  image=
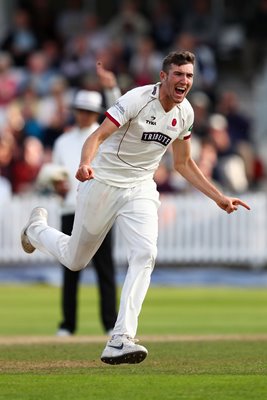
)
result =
(38, 214)
(121, 349)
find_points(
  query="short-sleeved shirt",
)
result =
(145, 130)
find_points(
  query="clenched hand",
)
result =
(84, 173)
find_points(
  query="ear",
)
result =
(163, 76)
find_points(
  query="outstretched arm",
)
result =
(185, 165)
(90, 147)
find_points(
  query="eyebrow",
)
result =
(190, 74)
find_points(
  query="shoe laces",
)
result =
(116, 336)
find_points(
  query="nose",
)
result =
(183, 78)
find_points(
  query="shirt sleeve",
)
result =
(125, 108)
(188, 125)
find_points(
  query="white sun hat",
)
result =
(88, 100)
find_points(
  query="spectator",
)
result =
(53, 53)
(97, 35)
(239, 128)
(145, 62)
(9, 80)
(13, 126)
(163, 179)
(230, 169)
(202, 21)
(255, 54)
(7, 144)
(113, 58)
(39, 73)
(70, 20)
(25, 169)
(202, 106)
(27, 104)
(164, 24)
(208, 158)
(21, 40)
(77, 59)
(43, 19)
(239, 123)
(129, 26)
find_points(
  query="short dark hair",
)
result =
(177, 58)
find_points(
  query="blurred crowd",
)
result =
(45, 57)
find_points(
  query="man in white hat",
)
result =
(87, 106)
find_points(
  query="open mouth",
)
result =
(180, 90)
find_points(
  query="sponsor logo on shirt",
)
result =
(119, 107)
(151, 121)
(154, 90)
(156, 137)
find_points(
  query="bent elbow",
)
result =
(180, 167)
(184, 166)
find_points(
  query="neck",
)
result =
(166, 101)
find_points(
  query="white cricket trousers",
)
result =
(98, 207)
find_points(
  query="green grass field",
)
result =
(203, 343)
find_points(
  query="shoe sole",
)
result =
(130, 358)
(25, 243)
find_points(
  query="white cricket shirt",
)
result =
(145, 130)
